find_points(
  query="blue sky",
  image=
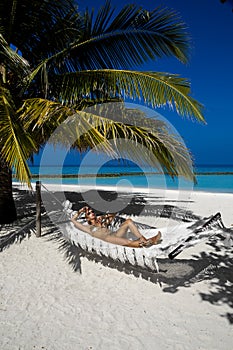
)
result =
(210, 71)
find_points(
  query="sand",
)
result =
(45, 304)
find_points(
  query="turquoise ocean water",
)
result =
(209, 178)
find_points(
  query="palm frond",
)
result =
(56, 40)
(148, 141)
(153, 88)
(43, 118)
(40, 28)
(15, 144)
(102, 20)
(12, 60)
(109, 130)
(131, 38)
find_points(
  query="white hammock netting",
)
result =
(174, 239)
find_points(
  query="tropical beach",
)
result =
(50, 301)
(116, 175)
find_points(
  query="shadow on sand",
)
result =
(174, 274)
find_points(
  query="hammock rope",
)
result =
(174, 240)
(172, 243)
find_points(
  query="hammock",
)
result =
(174, 240)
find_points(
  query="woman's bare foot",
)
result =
(156, 238)
(153, 240)
(142, 241)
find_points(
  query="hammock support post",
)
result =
(38, 209)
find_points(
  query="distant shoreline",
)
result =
(213, 180)
(68, 176)
(63, 176)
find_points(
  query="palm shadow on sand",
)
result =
(173, 274)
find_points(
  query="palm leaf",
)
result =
(15, 144)
(12, 59)
(153, 88)
(27, 24)
(129, 38)
(133, 37)
(42, 118)
(150, 143)
(56, 39)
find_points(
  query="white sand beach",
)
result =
(45, 304)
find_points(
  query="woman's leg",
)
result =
(117, 238)
(134, 244)
(123, 241)
(129, 225)
(106, 235)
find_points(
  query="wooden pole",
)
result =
(38, 209)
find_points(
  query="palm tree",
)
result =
(55, 61)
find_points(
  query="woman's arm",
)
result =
(82, 210)
(84, 228)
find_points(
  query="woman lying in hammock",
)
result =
(99, 227)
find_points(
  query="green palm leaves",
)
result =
(16, 145)
(154, 89)
(109, 128)
(130, 38)
(69, 61)
(123, 40)
(11, 60)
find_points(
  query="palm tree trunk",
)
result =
(7, 205)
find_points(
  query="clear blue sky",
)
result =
(210, 71)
